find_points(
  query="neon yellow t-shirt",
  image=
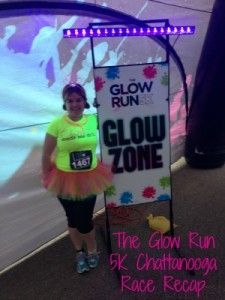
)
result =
(76, 143)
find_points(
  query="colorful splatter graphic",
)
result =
(99, 84)
(165, 79)
(149, 192)
(164, 181)
(150, 72)
(112, 73)
(163, 197)
(111, 191)
(126, 198)
(111, 205)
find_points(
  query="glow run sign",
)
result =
(134, 131)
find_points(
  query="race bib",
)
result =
(80, 160)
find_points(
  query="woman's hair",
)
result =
(74, 88)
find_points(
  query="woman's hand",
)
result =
(45, 177)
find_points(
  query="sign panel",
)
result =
(134, 131)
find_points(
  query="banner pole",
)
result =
(108, 230)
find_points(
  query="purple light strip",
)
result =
(131, 31)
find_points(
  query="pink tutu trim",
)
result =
(79, 185)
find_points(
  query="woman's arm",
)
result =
(48, 148)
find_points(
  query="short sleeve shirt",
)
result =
(76, 143)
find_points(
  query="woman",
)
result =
(76, 176)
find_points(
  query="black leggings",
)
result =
(79, 213)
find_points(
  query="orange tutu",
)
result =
(79, 185)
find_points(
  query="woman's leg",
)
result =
(70, 210)
(86, 228)
(80, 224)
(76, 238)
(89, 239)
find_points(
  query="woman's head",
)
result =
(75, 100)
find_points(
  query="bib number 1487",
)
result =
(80, 160)
(82, 163)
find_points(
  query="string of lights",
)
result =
(128, 31)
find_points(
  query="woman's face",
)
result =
(75, 104)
